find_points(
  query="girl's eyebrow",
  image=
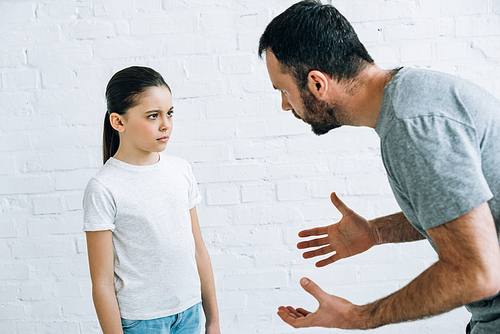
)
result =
(157, 111)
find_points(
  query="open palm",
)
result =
(350, 236)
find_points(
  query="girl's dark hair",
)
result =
(312, 36)
(122, 93)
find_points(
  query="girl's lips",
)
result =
(163, 139)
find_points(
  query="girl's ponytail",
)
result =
(122, 93)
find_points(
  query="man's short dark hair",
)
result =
(312, 36)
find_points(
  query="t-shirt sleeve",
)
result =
(99, 208)
(194, 192)
(436, 163)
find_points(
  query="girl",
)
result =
(148, 263)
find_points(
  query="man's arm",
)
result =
(468, 270)
(354, 234)
(395, 228)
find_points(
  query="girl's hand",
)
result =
(213, 329)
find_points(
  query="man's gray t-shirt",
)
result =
(440, 143)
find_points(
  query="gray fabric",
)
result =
(440, 142)
(147, 209)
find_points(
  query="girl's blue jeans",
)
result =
(186, 322)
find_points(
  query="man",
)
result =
(440, 142)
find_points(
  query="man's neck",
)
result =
(367, 93)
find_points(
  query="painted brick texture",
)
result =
(264, 176)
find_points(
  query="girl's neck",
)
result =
(149, 158)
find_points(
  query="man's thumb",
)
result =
(312, 288)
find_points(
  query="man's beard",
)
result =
(322, 116)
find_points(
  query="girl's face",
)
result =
(146, 128)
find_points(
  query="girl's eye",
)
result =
(153, 116)
(170, 113)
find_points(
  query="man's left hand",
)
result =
(333, 312)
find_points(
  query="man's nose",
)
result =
(285, 104)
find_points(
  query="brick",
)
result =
(180, 23)
(64, 290)
(61, 10)
(9, 228)
(9, 293)
(228, 173)
(16, 12)
(25, 184)
(257, 192)
(322, 210)
(252, 129)
(293, 191)
(449, 51)
(20, 80)
(55, 225)
(229, 107)
(71, 309)
(223, 195)
(205, 153)
(44, 56)
(201, 67)
(14, 272)
(43, 248)
(490, 48)
(74, 201)
(11, 312)
(31, 292)
(236, 64)
(187, 45)
(12, 57)
(7, 166)
(267, 280)
(46, 205)
(416, 52)
(214, 216)
(471, 26)
(90, 30)
(230, 261)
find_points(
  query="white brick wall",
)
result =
(263, 174)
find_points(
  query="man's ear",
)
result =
(318, 84)
(116, 121)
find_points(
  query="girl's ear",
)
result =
(318, 84)
(116, 121)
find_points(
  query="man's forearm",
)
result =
(437, 290)
(395, 228)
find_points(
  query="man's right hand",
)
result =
(350, 236)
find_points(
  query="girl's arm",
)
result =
(100, 251)
(209, 299)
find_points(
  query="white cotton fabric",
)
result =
(147, 210)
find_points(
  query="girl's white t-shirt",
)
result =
(147, 210)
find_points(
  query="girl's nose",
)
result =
(166, 122)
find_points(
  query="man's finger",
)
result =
(313, 243)
(329, 260)
(318, 252)
(314, 232)
(313, 289)
(344, 209)
(292, 320)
